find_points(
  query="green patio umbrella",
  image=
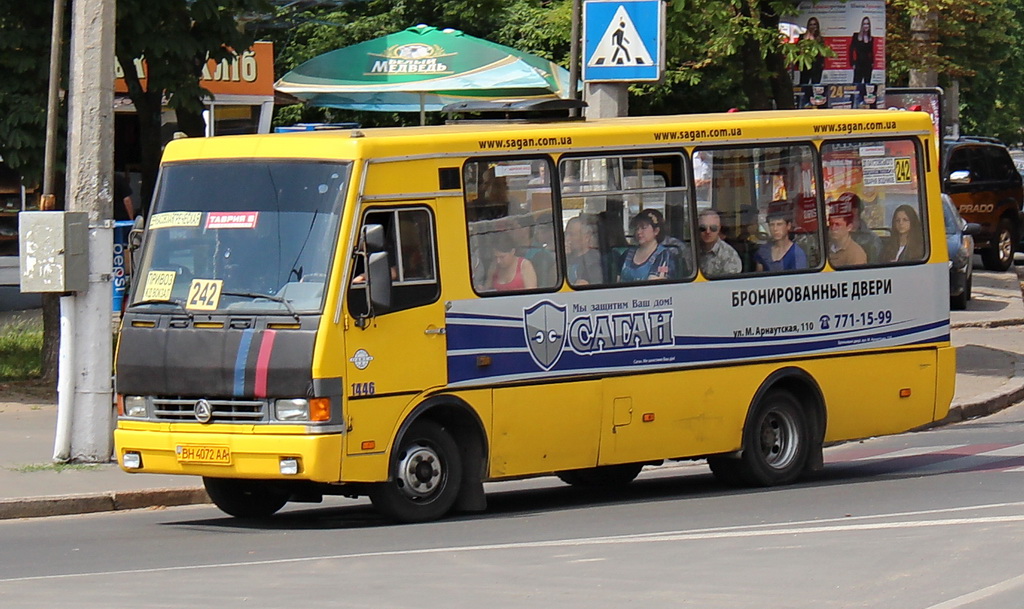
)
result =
(423, 68)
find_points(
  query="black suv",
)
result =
(980, 177)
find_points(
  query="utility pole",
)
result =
(86, 315)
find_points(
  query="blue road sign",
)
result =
(623, 40)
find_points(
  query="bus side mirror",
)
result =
(135, 235)
(372, 238)
(378, 272)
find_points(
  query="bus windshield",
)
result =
(242, 236)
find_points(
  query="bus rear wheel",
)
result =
(244, 498)
(776, 442)
(603, 476)
(425, 476)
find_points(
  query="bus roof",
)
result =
(476, 138)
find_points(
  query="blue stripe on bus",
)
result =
(240, 358)
(463, 367)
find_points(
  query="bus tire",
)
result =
(425, 476)
(244, 498)
(998, 256)
(776, 442)
(605, 476)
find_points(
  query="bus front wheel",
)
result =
(244, 498)
(776, 443)
(425, 476)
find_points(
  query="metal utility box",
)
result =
(54, 251)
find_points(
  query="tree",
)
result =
(978, 45)
(24, 62)
(175, 38)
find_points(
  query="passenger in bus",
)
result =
(862, 233)
(583, 260)
(536, 244)
(648, 259)
(781, 253)
(492, 201)
(906, 241)
(716, 258)
(511, 271)
(843, 250)
(743, 237)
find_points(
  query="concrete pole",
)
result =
(90, 190)
(607, 99)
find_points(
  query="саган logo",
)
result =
(544, 325)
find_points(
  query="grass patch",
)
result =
(54, 467)
(21, 350)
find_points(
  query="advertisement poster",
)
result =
(855, 32)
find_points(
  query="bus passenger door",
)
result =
(402, 350)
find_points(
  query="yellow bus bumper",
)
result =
(229, 455)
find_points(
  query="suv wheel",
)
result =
(998, 256)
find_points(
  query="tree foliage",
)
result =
(980, 45)
(175, 38)
(24, 62)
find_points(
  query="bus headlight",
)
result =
(291, 409)
(135, 406)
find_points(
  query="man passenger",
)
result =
(843, 250)
(716, 257)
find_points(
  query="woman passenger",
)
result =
(907, 239)
(648, 259)
(511, 271)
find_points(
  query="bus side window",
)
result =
(510, 221)
(409, 235)
(608, 194)
(767, 197)
(875, 202)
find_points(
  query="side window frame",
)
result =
(610, 241)
(527, 206)
(920, 204)
(407, 293)
(757, 210)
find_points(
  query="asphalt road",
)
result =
(930, 520)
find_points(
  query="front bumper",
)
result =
(249, 455)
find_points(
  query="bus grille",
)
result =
(224, 411)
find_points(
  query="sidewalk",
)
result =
(990, 376)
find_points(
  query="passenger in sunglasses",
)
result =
(716, 257)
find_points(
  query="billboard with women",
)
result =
(853, 76)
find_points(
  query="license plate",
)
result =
(214, 455)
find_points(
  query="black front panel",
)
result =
(232, 356)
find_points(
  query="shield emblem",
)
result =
(544, 325)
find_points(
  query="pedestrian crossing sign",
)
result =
(623, 40)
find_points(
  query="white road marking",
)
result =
(751, 531)
(977, 595)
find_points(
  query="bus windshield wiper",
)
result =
(271, 297)
(153, 301)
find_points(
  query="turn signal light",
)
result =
(905, 392)
(320, 409)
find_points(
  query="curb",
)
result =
(67, 505)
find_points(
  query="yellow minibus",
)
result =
(408, 313)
